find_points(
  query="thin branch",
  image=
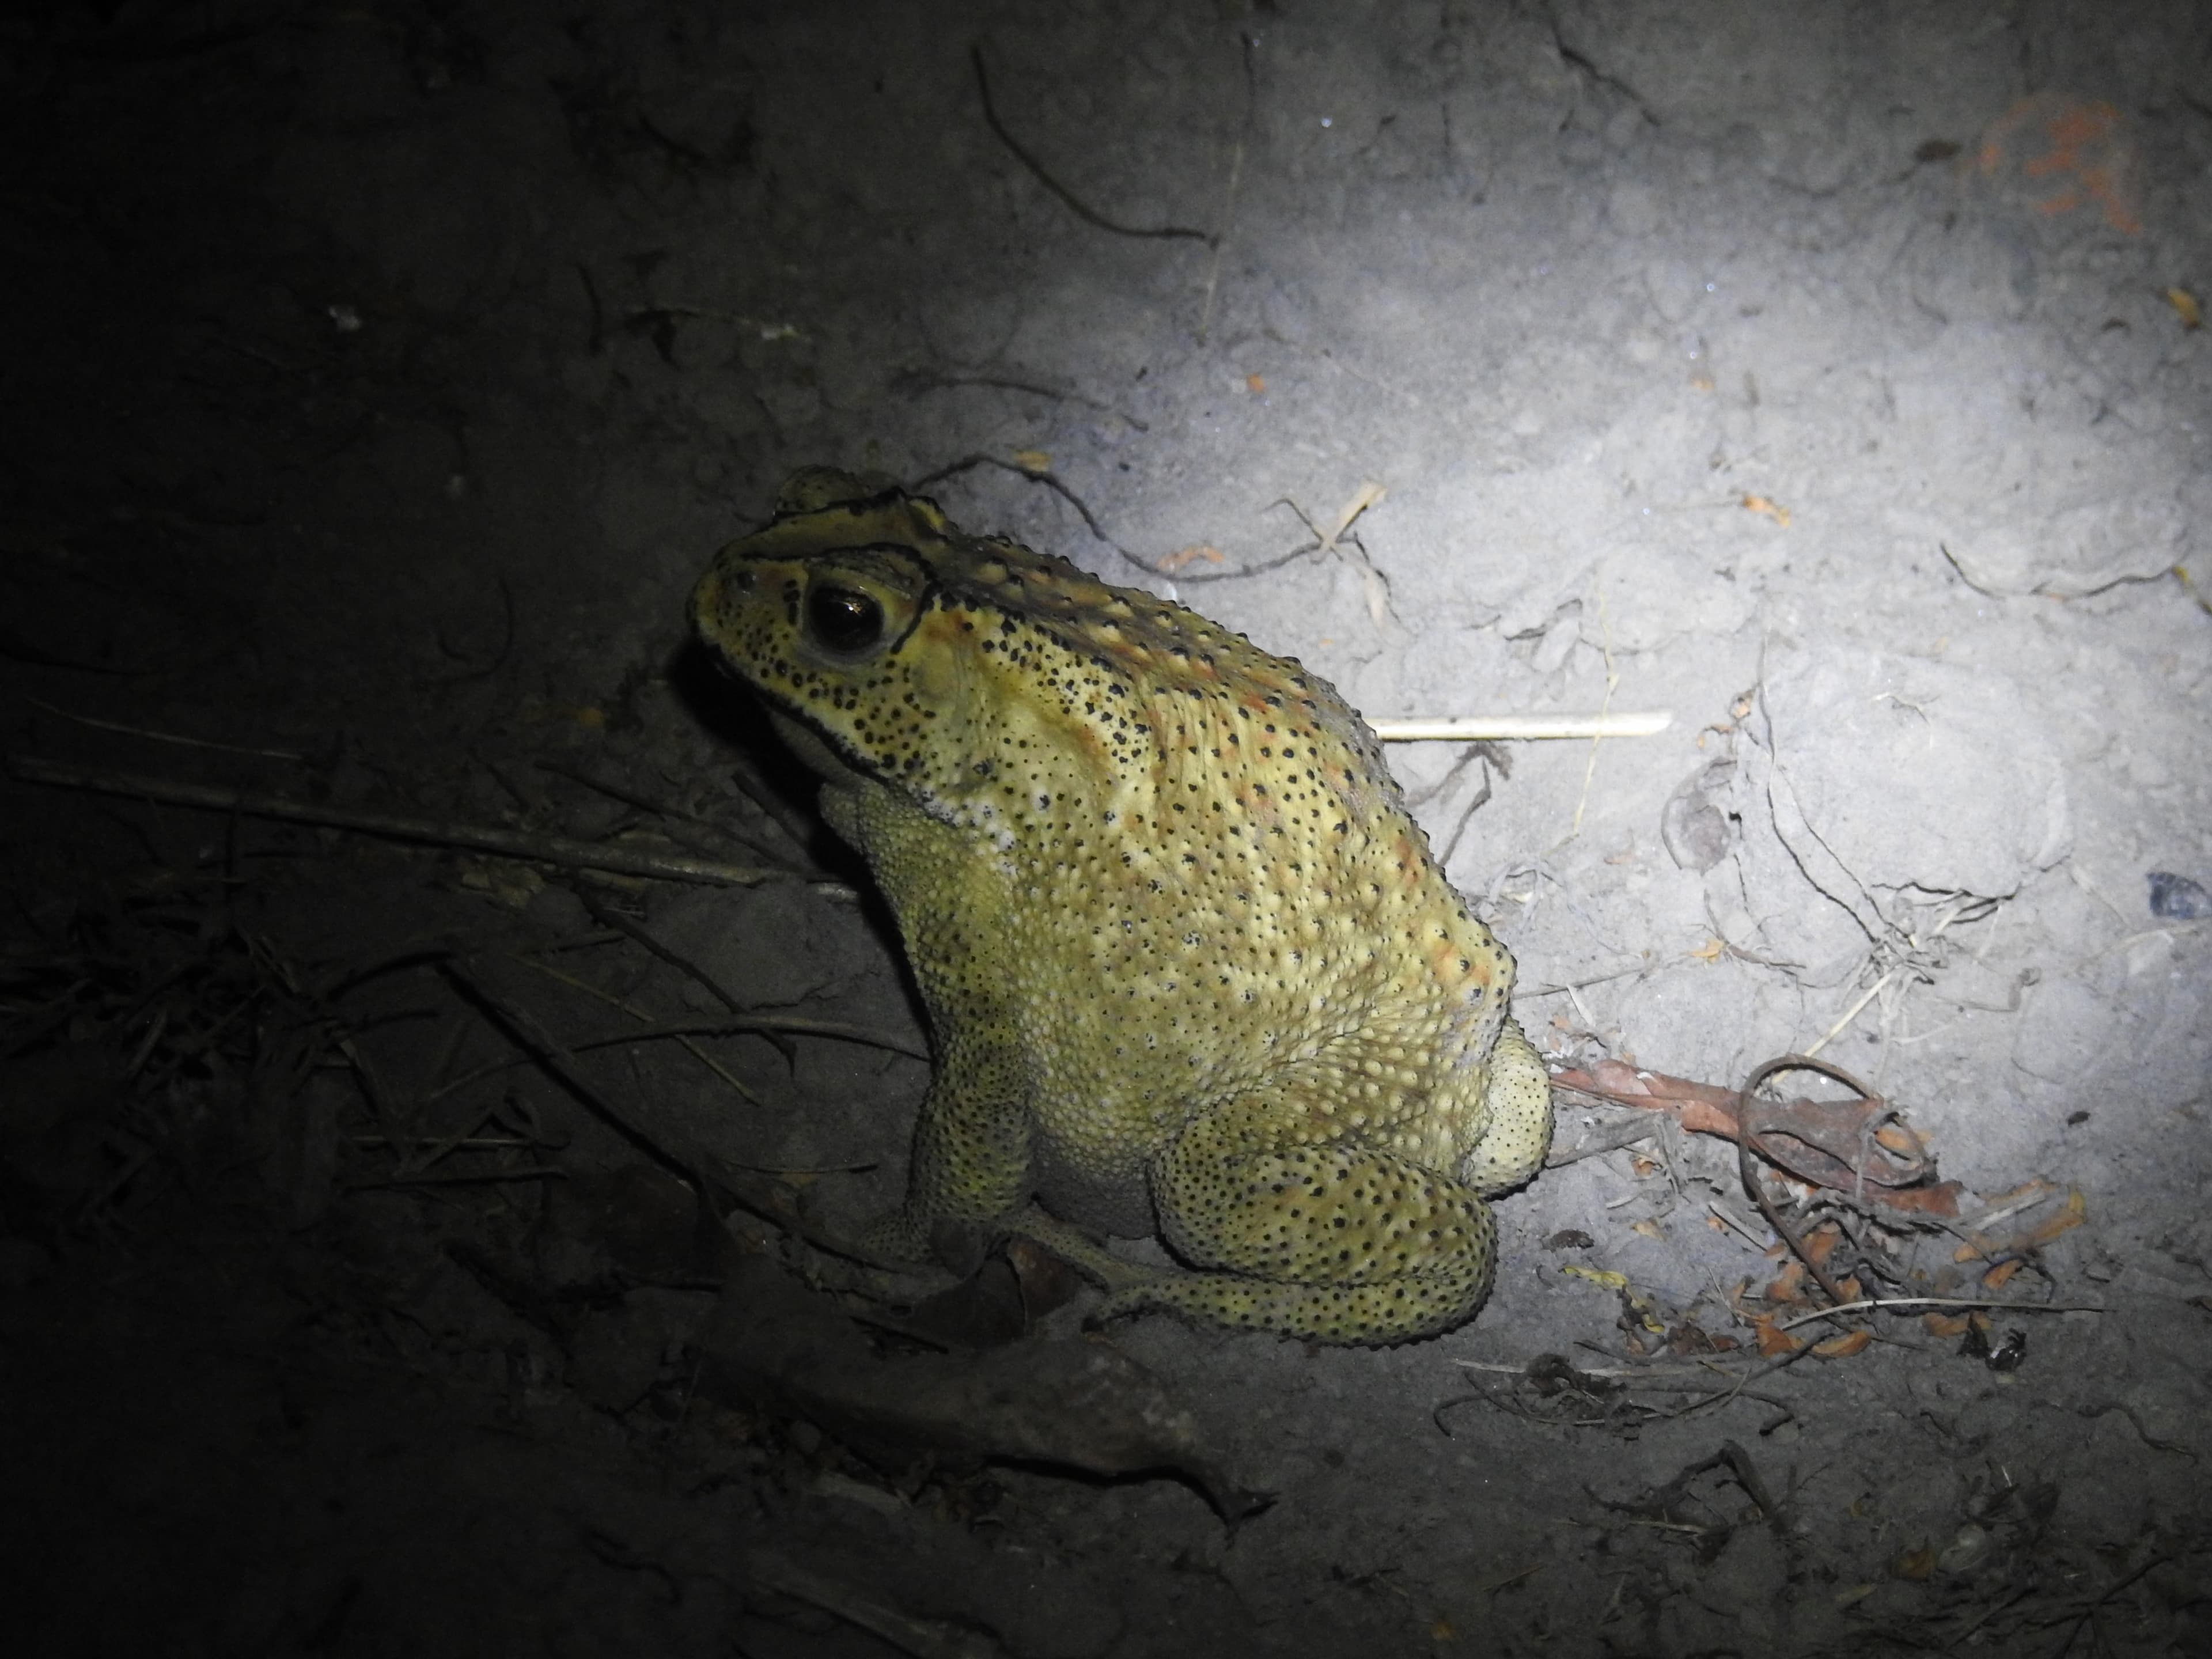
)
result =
(665, 1142)
(481, 838)
(1515, 728)
(1865, 1302)
(1075, 204)
(164, 737)
(1050, 480)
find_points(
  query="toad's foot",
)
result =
(1377, 1316)
(1108, 1272)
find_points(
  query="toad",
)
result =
(1190, 965)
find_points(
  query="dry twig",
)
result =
(1075, 204)
(558, 850)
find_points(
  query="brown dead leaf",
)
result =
(1897, 1138)
(1255, 384)
(1999, 1275)
(2075, 1211)
(1981, 1247)
(1689, 1337)
(1649, 1228)
(1843, 1347)
(2090, 158)
(1191, 555)
(1915, 1565)
(1032, 460)
(1773, 1341)
(2185, 306)
(1945, 1325)
(1822, 1141)
(1760, 504)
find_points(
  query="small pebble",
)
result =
(2177, 898)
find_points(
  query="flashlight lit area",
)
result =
(1131, 829)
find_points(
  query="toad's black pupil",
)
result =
(843, 618)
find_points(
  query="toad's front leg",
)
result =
(971, 1162)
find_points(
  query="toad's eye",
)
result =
(844, 619)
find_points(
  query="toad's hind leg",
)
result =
(1331, 1243)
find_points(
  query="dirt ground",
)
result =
(379, 379)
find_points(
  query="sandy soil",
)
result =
(379, 378)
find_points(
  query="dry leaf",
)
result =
(1255, 384)
(1366, 496)
(2186, 306)
(1691, 1337)
(1998, 1276)
(2075, 1212)
(1712, 951)
(1821, 1243)
(1604, 1276)
(2090, 158)
(1904, 1141)
(1915, 1565)
(1379, 595)
(1191, 555)
(1033, 460)
(1649, 1229)
(1843, 1347)
(1760, 504)
(1945, 1325)
(1773, 1342)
